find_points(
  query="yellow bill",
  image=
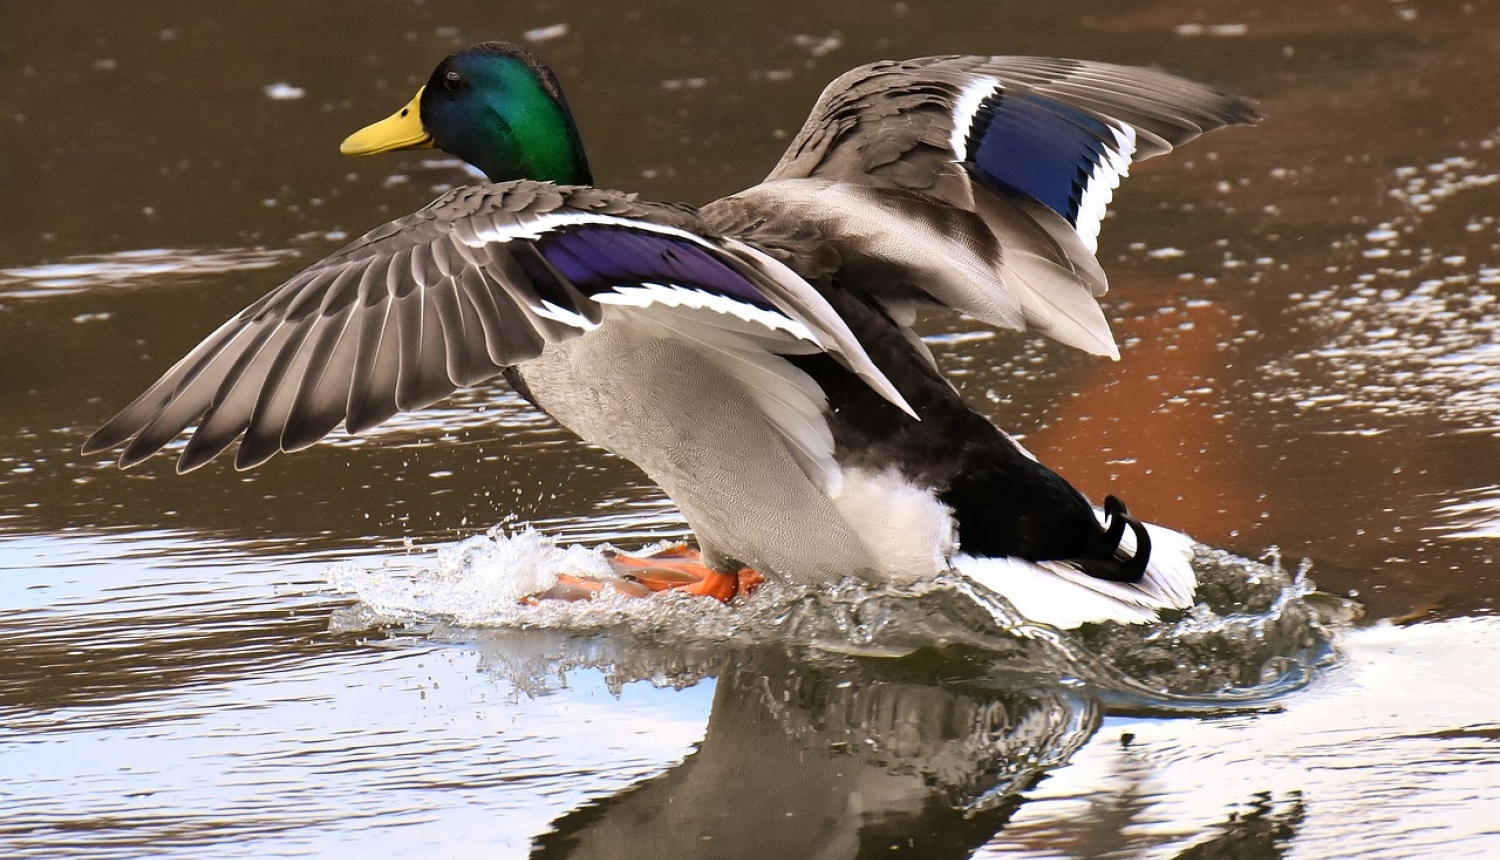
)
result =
(401, 130)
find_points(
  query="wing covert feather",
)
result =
(482, 279)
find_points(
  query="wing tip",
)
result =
(98, 442)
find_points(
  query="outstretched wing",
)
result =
(1030, 147)
(1061, 132)
(481, 279)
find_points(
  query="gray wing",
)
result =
(906, 124)
(450, 296)
(1024, 151)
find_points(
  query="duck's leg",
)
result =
(681, 568)
(676, 568)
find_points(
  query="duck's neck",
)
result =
(539, 141)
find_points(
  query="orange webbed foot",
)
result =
(681, 568)
(675, 568)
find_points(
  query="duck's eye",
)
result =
(453, 82)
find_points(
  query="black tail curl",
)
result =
(1121, 567)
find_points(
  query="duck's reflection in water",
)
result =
(923, 755)
(808, 755)
(816, 748)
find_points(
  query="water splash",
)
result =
(1257, 633)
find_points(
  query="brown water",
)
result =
(1311, 362)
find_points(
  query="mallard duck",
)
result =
(753, 356)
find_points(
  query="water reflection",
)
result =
(1261, 827)
(862, 720)
(96, 634)
(1473, 515)
(186, 697)
(152, 267)
(862, 759)
(1372, 730)
(807, 754)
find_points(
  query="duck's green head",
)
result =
(496, 106)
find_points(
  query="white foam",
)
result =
(478, 581)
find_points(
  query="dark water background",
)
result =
(1311, 362)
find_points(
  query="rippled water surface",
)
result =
(323, 657)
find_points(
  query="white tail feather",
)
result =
(1062, 596)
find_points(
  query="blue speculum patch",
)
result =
(596, 259)
(1037, 146)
